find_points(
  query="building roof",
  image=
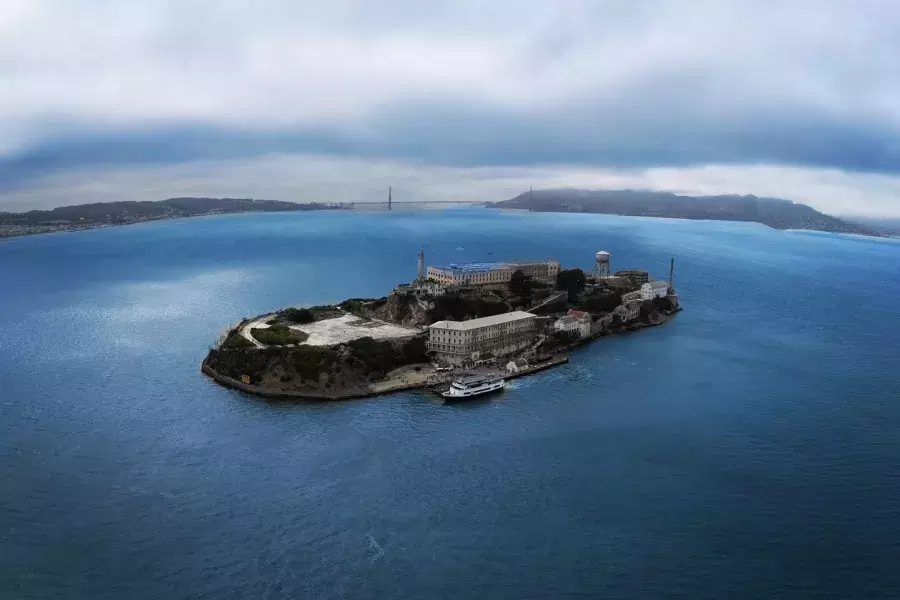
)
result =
(576, 313)
(659, 284)
(481, 267)
(473, 267)
(516, 315)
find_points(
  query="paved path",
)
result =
(550, 300)
(259, 322)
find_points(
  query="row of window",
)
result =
(478, 337)
(453, 349)
(484, 344)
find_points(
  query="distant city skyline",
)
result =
(461, 101)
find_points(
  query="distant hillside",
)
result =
(88, 216)
(774, 212)
(886, 226)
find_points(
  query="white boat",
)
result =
(475, 385)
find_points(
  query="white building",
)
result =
(421, 288)
(654, 289)
(576, 322)
(494, 273)
(457, 342)
(515, 366)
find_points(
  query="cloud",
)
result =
(612, 85)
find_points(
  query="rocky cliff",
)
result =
(318, 369)
(406, 309)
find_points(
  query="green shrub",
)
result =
(236, 340)
(278, 335)
(325, 312)
(601, 301)
(298, 315)
(521, 284)
(359, 305)
(458, 307)
(572, 281)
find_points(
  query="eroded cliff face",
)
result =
(406, 309)
(318, 369)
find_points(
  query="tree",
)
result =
(572, 281)
(298, 315)
(601, 301)
(520, 284)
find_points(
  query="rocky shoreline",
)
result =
(389, 385)
(432, 384)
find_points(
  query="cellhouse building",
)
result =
(493, 273)
(458, 342)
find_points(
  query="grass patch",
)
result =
(278, 335)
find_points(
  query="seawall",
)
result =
(256, 390)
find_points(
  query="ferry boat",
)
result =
(475, 385)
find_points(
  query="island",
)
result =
(107, 214)
(772, 212)
(505, 319)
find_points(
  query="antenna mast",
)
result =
(671, 272)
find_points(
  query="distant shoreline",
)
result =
(8, 231)
(68, 219)
(876, 235)
(113, 214)
(775, 213)
(77, 228)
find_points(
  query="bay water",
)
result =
(748, 448)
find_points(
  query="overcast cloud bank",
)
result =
(798, 99)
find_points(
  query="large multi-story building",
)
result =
(494, 273)
(616, 282)
(458, 342)
(654, 289)
(637, 278)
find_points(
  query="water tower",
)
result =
(601, 266)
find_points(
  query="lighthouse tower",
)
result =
(421, 271)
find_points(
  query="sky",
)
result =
(106, 100)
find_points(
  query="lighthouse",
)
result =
(421, 270)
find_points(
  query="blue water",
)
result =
(749, 448)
